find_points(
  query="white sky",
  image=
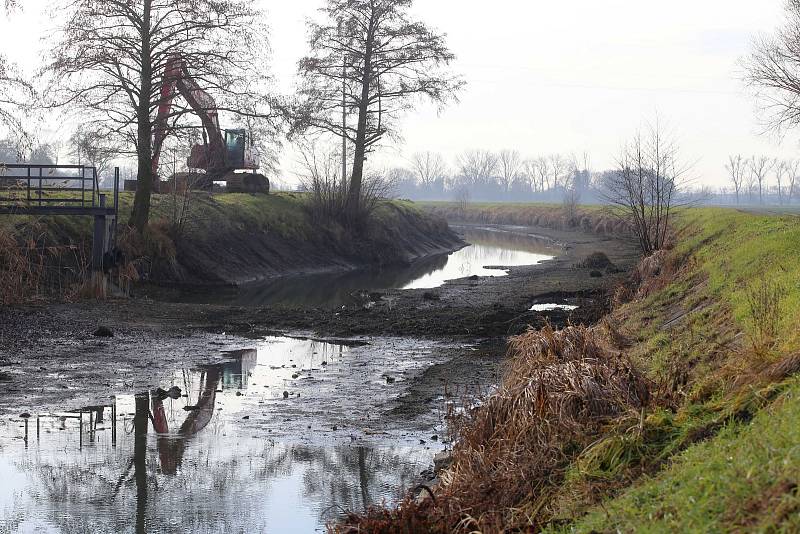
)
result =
(561, 76)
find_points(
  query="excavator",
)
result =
(223, 152)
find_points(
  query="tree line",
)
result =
(490, 176)
(762, 180)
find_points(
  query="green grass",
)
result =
(665, 477)
(745, 478)
(736, 250)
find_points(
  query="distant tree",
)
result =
(530, 171)
(792, 170)
(401, 180)
(430, 169)
(759, 168)
(779, 168)
(559, 166)
(373, 59)
(509, 168)
(110, 57)
(477, 167)
(543, 172)
(92, 149)
(737, 170)
(644, 189)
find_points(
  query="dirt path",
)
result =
(50, 357)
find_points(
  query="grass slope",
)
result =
(239, 238)
(722, 453)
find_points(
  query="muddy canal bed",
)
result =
(287, 432)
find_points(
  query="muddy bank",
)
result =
(237, 240)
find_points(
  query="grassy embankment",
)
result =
(221, 238)
(677, 413)
(594, 219)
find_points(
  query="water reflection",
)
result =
(487, 248)
(169, 460)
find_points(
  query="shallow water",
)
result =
(279, 438)
(488, 253)
(553, 307)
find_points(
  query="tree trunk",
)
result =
(144, 134)
(356, 179)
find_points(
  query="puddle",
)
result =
(478, 259)
(489, 251)
(553, 307)
(279, 438)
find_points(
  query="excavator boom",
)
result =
(224, 151)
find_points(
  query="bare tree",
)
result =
(429, 168)
(779, 168)
(558, 168)
(773, 70)
(477, 167)
(373, 59)
(93, 149)
(16, 93)
(530, 170)
(509, 168)
(543, 171)
(571, 201)
(644, 189)
(759, 168)
(792, 171)
(110, 59)
(737, 169)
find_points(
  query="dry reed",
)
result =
(559, 391)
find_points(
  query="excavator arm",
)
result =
(177, 79)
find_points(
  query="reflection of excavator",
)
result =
(223, 152)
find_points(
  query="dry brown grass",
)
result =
(588, 219)
(559, 391)
(33, 267)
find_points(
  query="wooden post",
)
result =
(99, 238)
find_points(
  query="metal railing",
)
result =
(52, 188)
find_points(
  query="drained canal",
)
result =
(489, 252)
(279, 434)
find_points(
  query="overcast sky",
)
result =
(567, 76)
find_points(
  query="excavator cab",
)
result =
(235, 141)
(239, 153)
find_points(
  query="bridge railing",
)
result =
(52, 188)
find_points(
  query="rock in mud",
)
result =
(390, 379)
(597, 261)
(285, 394)
(442, 461)
(103, 331)
(430, 295)
(596, 274)
(4, 377)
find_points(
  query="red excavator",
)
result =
(223, 152)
